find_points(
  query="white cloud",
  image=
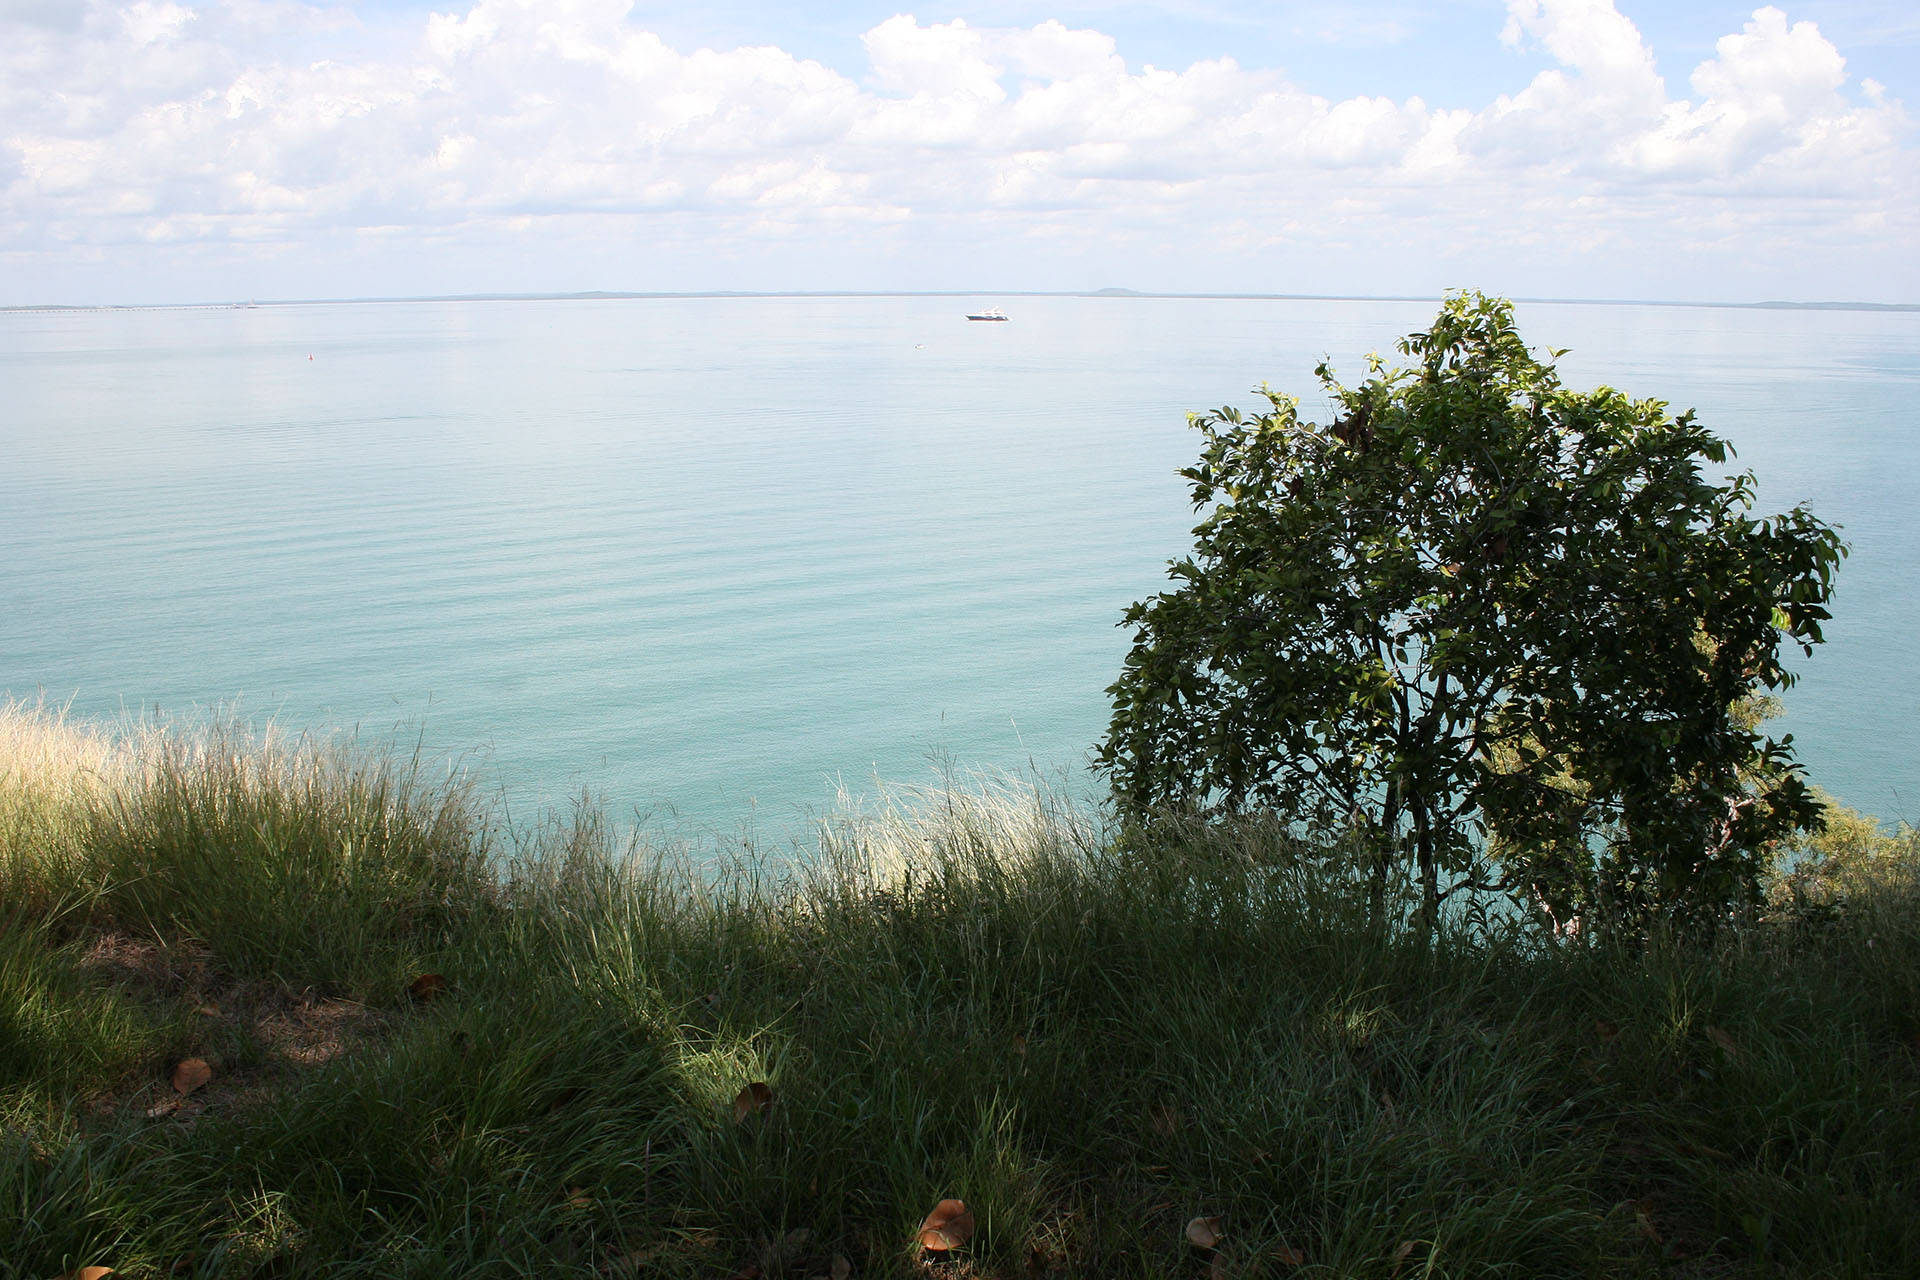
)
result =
(152, 122)
(1771, 113)
(1571, 116)
(944, 61)
(1592, 38)
(152, 21)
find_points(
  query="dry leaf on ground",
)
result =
(947, 1227)
(1165, 1119)
(752, 1100)
(86, 1273)
(1401, 1255)
(1288, 1256)
(1728, 1045)
(1205, 1233)
(428, 986)
(1643, 1221)
(191, 1074)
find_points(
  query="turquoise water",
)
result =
(717, 559)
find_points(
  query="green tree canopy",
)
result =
(1496, 627)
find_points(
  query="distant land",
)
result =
(596, 295)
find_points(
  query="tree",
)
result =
(1496, 628)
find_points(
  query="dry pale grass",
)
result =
(53, 775)
(50, 763)
(988, 825)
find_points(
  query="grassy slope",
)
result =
(985, 1002)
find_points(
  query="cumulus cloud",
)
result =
(1767, 112)
(155, 121)
(1771, 111)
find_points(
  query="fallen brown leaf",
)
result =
(842, 1268)
(1217, 1267)
(1607, 1031)
(428, 986)
(191, 1074)
(1401, 1255)
(208, 1010)
(85, 1273)
(752, 1100)
(1205, 1233)
(577, 1198)
(947, 1227)
(1728, 1045)
(1165, 1119)
(1288, 1256)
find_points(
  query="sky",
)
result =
(170, 151)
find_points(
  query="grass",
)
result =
(979, 996)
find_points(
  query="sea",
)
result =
(727, 565)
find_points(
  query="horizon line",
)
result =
(615, 295)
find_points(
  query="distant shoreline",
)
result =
(598, 295)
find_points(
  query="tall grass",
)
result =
(306, 862)
(974, 994)
(53, 777)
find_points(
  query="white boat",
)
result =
(991, 313)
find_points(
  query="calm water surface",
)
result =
(719, 558)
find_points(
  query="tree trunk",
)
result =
(1429, 872)
(1388, 840)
